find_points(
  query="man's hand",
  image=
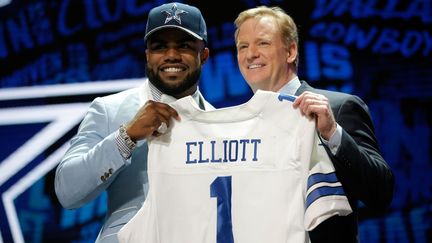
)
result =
(148, 119)
(317, 107)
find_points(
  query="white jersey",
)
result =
(251, 173)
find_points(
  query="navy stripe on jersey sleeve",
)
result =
(323, 192)
(321, 177)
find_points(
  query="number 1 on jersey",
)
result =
(221, 189)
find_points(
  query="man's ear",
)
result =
(292, 53)
(205, 53)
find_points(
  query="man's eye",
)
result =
(185, 46)
(240, 47)
(159, 47)
(156, 47)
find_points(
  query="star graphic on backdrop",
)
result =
(174, 13)
(34, 157)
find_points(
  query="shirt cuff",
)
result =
(124, 144)
(335, 140)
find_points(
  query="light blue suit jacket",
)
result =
(93, 163)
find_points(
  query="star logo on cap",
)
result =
(174, 13)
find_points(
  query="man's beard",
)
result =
(173, 90)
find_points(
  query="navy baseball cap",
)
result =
(177, 15)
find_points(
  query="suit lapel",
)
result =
(303, 87)
(306, 87)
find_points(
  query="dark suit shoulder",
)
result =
(336, 98)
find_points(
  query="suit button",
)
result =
(110, 171)
(106, 175)
(103, 178)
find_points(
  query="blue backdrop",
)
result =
(58, 55)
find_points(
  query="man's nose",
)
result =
(252, 52)
(173, 53)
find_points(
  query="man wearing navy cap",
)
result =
(109, 151)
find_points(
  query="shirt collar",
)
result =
(291, 87)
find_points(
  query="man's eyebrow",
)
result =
(188, 38)
(154, 40)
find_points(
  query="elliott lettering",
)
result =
(222, 151)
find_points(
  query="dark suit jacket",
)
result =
(359, 166)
